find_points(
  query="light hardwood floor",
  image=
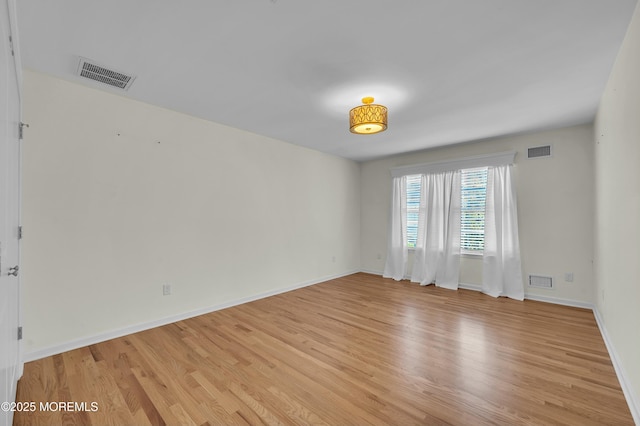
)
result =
(355, 350)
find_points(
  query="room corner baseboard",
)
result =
(368, 271)
(559, 301)
(632, 400)
(101, 337)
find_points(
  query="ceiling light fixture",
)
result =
(368, 118)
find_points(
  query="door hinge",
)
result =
(11, 45)
(19, 333)
(19, 232)
(21, 127)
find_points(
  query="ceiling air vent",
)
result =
(540, 281)
(539, 151)
(92, 71)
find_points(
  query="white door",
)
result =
(10, 364)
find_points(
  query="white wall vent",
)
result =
(540, 281)
(539, 151)
(93, 71)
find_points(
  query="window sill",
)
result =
(471, 254)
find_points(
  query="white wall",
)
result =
(555, 207)
(617, 228)
(121, 197)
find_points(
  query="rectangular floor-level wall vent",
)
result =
(539, 151)
(91, 70)
(540, 281)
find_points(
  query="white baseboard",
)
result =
(627, 390)
(559, 301)
(366, 271)
(547, 299)
(101, 337)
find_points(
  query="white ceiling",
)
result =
(449, 71)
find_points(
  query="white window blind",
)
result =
(413, 208)
(473, 197)
(474, 193)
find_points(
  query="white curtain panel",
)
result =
(397, 251)
(437, 253)
(502, 270)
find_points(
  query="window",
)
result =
(413, 208)
(473, 192)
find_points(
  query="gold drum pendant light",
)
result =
(368, 119)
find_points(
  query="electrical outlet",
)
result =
(568, 277)
(333, 259)
(166, 289)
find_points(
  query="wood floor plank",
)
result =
(356, 350)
